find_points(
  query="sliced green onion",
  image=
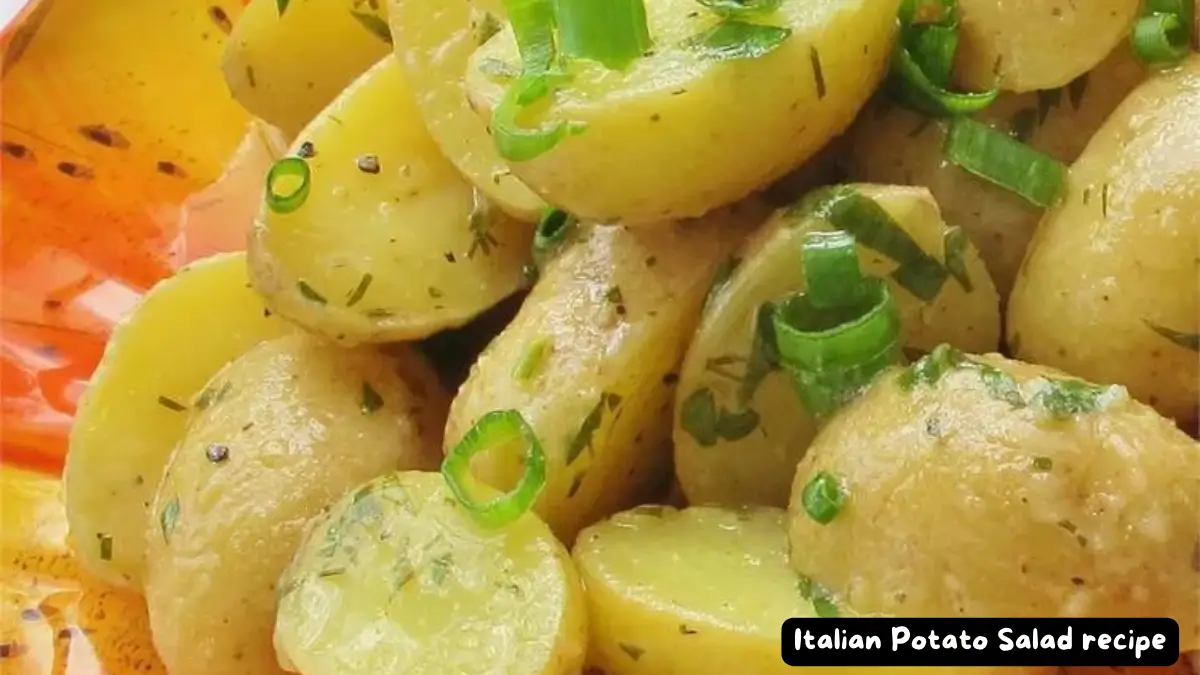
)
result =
(733, 40)
(832, 351)
(1160, 39)
(924, 58)
(1005, 161)
(497, 429)
(830, 261)
(288, 168)
(741, 8)
(520, 144)
(823, 498)
(553, 231)
(533, 26)
(613, 32)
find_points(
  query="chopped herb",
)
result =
(931, 368)
(306, 150)
(480, 226)
(171, 404)
(825, 608)
(1186, 340)
(371, 400)
(954, 245)
(368, 164)
(282, 6)
(441, 568)
(434, 292)
(1068, 526)
(331, 572)
(764, 355)
(379, 313)
(576, 483)
(721, 277)
(532, 359)
(818, 595)
(1000, 385)
(633, 651)
(613, 295)
(698, 417)
(377, 26)
(1042, 464)
(728, 8)
(1104, 200)
(169, 518)
(106, 545)
(553, 231)
(587, 429)
(1064, 399)
(217, 453)
(359, 291)
(814, 58)
(733, 39)
(310, 293)
(823, 498)
(486, 27)
(684, 630)
(212, 395)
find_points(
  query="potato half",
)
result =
(391, 243)
(1110, 288)
(139, 400)
(295, 424)
(285, 61)
(434, 41)
(590, 362)
(978, 486)
(744, 447)
(397, 578)
(729, 126)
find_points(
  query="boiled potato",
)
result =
(754, 464)
(590, 362)
(889, 144)
(286, 60)
(719, 613)
(1031, 494)
(1023, 45)
(136, 408)
(391, 243)
(297, 424)
(1110, 289)
(730, 127)
(444, 596)
(434, 42)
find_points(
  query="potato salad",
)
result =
(601, 337)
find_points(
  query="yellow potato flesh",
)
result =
(137, 406)
(758, 468)
(397, 578)
(391, 243)
(434, 41)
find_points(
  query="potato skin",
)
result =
(889, 144)
(297, 432)
(451, 589)
(396, 253)
(434, 41)
(136, 407)
(758, 468)
(285, 67)
(730, 127)
(613, 312)
(1023, 45)
(1092, 516)
(1116, 265)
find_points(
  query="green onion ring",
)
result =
(494, 429)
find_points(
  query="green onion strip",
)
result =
(835, 337)
(1005, 161)
(288, 167)
(494, 430)
(1162, 36)
(923, 60)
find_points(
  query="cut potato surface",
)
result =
(285, 61)
(1068, 499)
(1023, 45)
(434, 41)
(294, 424)
(701, 591)
(1110, 289)
(397, 578)
(744, 447)
(729, 126)
(391, 243)
(889, 144)
(137, 406)
(591, 359)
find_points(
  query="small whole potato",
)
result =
(1109, 290)
(730, 124)
(976, 486)
(293, 424)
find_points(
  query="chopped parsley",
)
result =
(169, 518)
(171, 404)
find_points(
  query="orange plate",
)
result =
(123, 157)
